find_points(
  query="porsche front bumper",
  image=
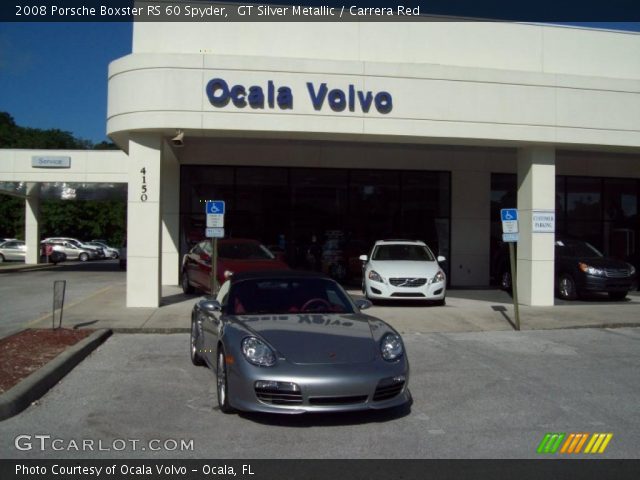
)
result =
(318, 388)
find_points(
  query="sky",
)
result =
(54, 75)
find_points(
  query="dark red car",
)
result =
(235, 255)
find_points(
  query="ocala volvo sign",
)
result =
(270, 96)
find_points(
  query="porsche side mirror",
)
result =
(441, 259)
(363, 304)
(363, 258)
(210, 306)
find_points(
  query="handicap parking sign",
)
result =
(509, 214)
(215, 207)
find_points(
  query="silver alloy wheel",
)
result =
(221, 381)
(83, 257)
(194, 337)
(566, 288)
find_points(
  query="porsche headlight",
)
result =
(257, 352)
(373, 275)
(439, 277)
(391, 347)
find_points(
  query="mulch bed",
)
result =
(25, 352)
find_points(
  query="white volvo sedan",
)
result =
(403, 270)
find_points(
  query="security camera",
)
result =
(178, 140)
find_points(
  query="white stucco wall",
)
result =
(472, 83)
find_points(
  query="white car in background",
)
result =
(403, 270)
(109, 252)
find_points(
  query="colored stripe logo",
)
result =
(572, 443)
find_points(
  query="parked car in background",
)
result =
(269, 357)
(99, 251)
(234, 256)
(71, 250)
(580, 268)
(109, 252)
(403, 270)
(49, 255)
(12, 251)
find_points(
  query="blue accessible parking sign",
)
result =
(215, 207)
(509, 214)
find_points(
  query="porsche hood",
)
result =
(316, 338)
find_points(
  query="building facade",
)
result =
(351, 132)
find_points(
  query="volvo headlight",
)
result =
(373, 275)
(439, 277)
(258, 352)
(391, 347)
(632, 270)
(588, 269)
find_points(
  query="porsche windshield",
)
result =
(407, 252)
(287, 296)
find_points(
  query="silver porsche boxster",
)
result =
(294, 342)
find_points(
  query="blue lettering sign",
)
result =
(338, 100)
(220, 94)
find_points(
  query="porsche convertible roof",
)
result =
(263, 274)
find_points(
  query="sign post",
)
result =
(215, 229)
(510, 235)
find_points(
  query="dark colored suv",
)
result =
(579, 269)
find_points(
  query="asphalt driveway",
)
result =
(476, 395)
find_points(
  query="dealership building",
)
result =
(351, 132)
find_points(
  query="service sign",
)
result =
(543, 221)
(50, 162)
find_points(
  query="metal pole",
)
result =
(214, 266)
(514, 284)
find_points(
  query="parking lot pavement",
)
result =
(27, 295)
(476, 395)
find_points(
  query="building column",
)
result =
(470, 227)
(32, 224)
(170, 212)
(143, 220)
(536, 191)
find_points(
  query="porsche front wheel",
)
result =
(221, 384)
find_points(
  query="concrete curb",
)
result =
(39, 382)
(28, 268)
(167, 330)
